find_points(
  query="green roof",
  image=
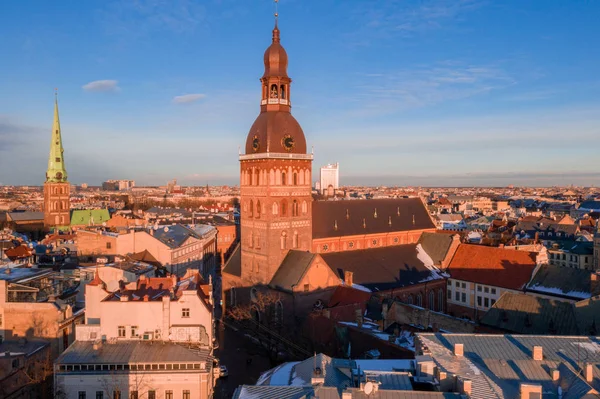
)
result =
(89, 217)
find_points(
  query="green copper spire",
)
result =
(56, 173)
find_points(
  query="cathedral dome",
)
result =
(277, 132)
(276, 59)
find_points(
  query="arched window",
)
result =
(295, 179)
(304, 207)
(295, 208)
(295, 240)
(283, 240)
(283, 179)
(283, 208)
(409, 299)
(440, 300)
(301, 178)
(282, 93)
(250, 177)
(307, 177)
(232, 296)
(273, 92)
(257, 173)
(258, 209)
(251, 208)
(419, 300)
(431, 300)
(279, 313)
(272, 177)
(275, 208)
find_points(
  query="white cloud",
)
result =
(102, 86)
(188, 98)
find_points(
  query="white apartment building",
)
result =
(330, 178)
(152, 339)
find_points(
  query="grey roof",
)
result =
(564, 282)
(26, 216)
(291, 270)
(373, 216)
(23, 346)
(384, 268)
(16, 274)
(496, 364)
(124, 352)
(591, 205)
(174, 235)
(233, 265)
(436, 245)
(277, 392)
(528, 314)
(587, 313)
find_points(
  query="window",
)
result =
(168, 394)
(117, 395)
(457, 296)
(99, 395)
(121, 331)
(431, 300)
(275, 208)
(449, 283)
(283, 182)
(410, 299)
(494, 291)
(457, 284)
(486, 290)
(133, 395)
(492, 302)
(295, 179)
(186, 394)
(295, 208)
(449, 294)
(306, 287)
(478, 301)
(464, 297)
(486, 302)
(134, 331)
(81, 395)
(464, 285)
(258, 209)
(419, 300)
(108, 245)
(185, 312)
(283, 208)
(440, 300)
(478, 288)
(151, 394)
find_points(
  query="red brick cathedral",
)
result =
(278, 214)
(275, 177)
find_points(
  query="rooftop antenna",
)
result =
(276, 11)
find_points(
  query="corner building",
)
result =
(275, 177)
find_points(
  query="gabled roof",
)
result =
(175, 235)
(292, 269)
(144, 256)
(436, 245)
(564, 282)
(527, 314)
(358, 217)
(384, 268)
(498, 267)
(233, 265)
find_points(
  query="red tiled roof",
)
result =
(22, 251)
(97, 280)
(500, 267)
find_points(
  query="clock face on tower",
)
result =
(255, 144)
(287, 142)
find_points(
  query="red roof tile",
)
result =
(500, 267)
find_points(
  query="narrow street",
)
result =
(234, 351)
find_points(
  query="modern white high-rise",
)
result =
(330, 178)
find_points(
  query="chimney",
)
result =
(348, 278)
(465, 386)
(525, 391)
(359, 317)
(146, 298)
(317, 376)
(459, 350)
(555, 374)
(346, 395)
(124, 298)
(588, 372)
(538, 353)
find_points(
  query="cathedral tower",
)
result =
(56, 188)
(275, 176)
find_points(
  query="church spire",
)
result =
(56, 172)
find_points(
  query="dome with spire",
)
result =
(275, 129)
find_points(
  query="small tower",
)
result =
(56, 188)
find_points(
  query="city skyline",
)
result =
(402, 93)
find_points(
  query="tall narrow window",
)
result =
(283, 208)
(282, 93)
(419, 300)
(99, 395)
(133, 395)
(304, 207)
(250, 177)
(258, 209)
(431, 300)
(275, 208)
(295, 240)
(185, 312)
(251, 208)
(121, 331)
(186, 394)
(81, 395)
(283, 179)
(168, 394)
(116, 394)
(295, 177)
(440, 300)
(295, 208)
(283, 240)
(151, 394)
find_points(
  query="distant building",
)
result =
(330, 179)
(118, 185)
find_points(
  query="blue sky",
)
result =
(415, 92)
